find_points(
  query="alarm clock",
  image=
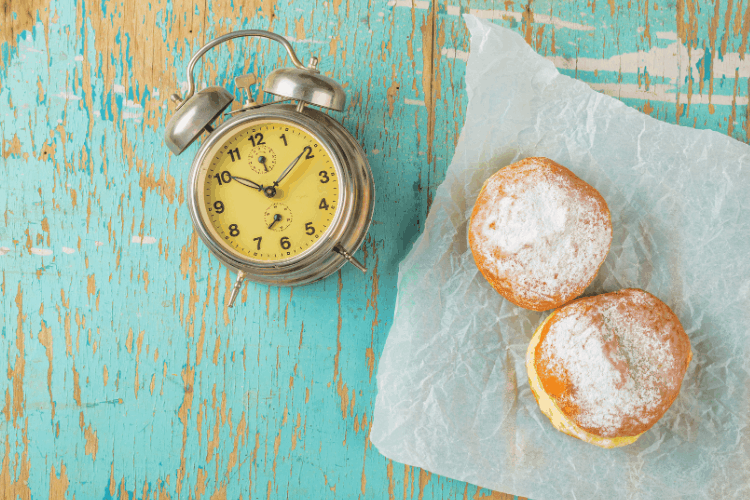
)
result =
(280, 192)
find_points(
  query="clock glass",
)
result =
(269, 192)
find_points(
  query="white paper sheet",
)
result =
(453, 392)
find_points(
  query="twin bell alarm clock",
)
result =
(280, 192)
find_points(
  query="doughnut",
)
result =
(604, 369)
(539, 234)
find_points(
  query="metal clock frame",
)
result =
(351, 221)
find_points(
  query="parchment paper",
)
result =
(453, 393)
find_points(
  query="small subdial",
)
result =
(262, 159)
(278, 217)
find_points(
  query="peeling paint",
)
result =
(142, 382)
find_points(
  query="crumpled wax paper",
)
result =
(454, 396)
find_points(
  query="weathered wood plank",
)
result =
(127, 376)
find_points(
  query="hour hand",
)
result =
(248, 183)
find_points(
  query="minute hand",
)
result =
(288, 169)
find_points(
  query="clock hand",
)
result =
(262, 161)
(276, 218)
(288, 169)
(248, 183)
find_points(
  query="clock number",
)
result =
(219, 207)
(257, 140)
(233, 231)
(309, 229)
(258, 240)
(324, 176)
(323, 205)
(309, 152)
(224, 177)
(233, 152)
(283, 138)
(285, 243)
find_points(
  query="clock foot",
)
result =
(351, 259)
(236, 288)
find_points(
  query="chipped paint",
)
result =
(123, 360)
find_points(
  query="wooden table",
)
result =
(127, 376)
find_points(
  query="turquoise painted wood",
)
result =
(125, 375)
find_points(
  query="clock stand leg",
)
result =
(236, 288)
(351, 259)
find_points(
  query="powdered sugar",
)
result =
(522, 224)
(617, 357)
(538, 230)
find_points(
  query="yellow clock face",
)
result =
(269, 192)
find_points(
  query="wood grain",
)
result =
(126, 374)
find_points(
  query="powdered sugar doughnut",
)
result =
(604, 369)
(539, 234)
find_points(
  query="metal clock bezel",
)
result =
(321, 259)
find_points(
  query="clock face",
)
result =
(269, 192)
